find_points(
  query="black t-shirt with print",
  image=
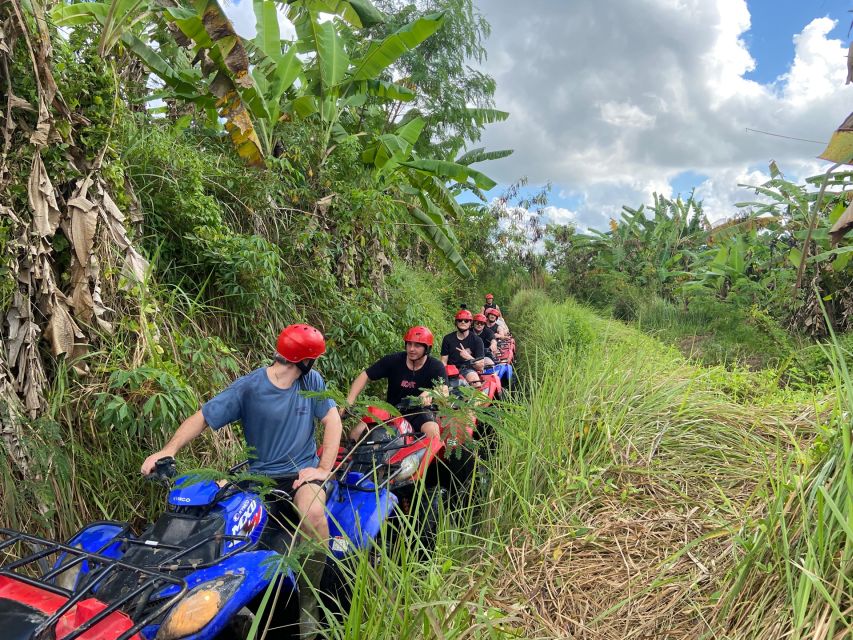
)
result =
(487, 335)
(402, 381)
(450, 348)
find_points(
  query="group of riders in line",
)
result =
(278, 419)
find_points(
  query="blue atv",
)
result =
(188, 576)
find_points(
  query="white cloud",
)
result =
(720, 192)
(623, 114)
(612, 100)
(558, 215)
(818, 70)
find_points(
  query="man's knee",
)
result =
(357, 431)
(311, 503)
(431, 429)
(316, 517)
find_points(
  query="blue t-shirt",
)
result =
(278, 423)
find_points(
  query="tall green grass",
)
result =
(623, 477)
(794, 575)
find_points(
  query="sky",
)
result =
(613, 100)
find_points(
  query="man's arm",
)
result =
(493, 347)
(332, 429)
(190, 429)
(355, 390)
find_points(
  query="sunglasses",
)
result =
(460, 321)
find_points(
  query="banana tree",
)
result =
(253, 85)
(335, 83)
(243, 81)
(424, 183)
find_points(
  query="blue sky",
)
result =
(612, 101)
(770, 40)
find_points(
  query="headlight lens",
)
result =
(198, 608)
(410, 464)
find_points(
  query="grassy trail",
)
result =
(636, 495)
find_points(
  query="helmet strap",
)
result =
(304, 366)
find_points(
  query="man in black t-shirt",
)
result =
(489, 304)
(410, 374)
(463, 349)
(485, 334)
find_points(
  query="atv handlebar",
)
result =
(164, 470)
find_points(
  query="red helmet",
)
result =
(464, 314)
(496, 312)
(419, 334)
(489, 296)
(299, 342)
(479, 317)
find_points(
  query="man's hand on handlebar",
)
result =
(148, 467)
(163, 469)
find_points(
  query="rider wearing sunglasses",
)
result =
(464, 349)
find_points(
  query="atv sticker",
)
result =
(246, 520)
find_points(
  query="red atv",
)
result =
(37, 601)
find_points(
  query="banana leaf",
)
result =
(451, 170)
(481, 155)
(332, 60)
(378, 88)
(358, 13)
(832, 253)
(382, 55)
(267, 32)
(435, 233)
(481, 117)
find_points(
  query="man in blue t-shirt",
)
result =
(278, 424)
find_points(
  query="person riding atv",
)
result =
(485, 334)
(463, 349)
(496, 323)
(278, 424)
(489, 304)
(411, 373)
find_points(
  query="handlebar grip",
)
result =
(164, 470)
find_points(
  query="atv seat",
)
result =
(182, 539)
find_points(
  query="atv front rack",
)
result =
(141, 604)
(370, 458)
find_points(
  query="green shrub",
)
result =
(144, 401)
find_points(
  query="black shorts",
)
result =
(282, 510)
(417, 420)
(285, 484)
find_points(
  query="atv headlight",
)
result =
(409, 465)
(198, 607)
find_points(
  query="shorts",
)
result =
(285, 484)
(417, 420)
(281, 510)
